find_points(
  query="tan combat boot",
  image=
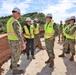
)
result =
(72, 58)
(47, 61)
(42, 48)
(62, 55)
(51, 63)
(15, 71)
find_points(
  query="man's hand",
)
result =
(23, 46)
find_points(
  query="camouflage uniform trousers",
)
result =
(61, 36)
(71, 44)
(16, 51)
(50, 48)
(37, 41)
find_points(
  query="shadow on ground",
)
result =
(70, 65)
(23, 65)
(46, 71)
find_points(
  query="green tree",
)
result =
(22, 20)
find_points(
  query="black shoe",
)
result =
(27, 57)
(33, 57)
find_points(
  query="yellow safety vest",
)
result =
(10, 31)
(49, 30)
(28, 34)
(74, 32)
(64, 28)
(36, 30)
(67, 35)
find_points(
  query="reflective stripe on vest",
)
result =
(10, 30)
(27, 34)
(64, 29)
(49, 31)
(67, 35)
(36, 30)
(74, 32)
(48, 34)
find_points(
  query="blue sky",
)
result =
(60, 9)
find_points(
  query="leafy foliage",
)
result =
(40, 16)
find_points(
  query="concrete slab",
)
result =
(38, 67)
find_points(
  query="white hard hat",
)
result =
(28, 19)
(16, 9)
(49, 15)
(36, 19)
(67, 19)
(72, 17)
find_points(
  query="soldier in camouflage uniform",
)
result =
(64, 42)
(66, 24)
(51, 31)
(60, 31)
(70, 38)
(64, 37)
(37, 42)
(15, 38)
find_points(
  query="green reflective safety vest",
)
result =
(10, 30)
(64, 26)
(49, 30)
(28, 34)
(74, 32)
(70, 29)
(36, 29)
(58, 26)
(75, 35)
